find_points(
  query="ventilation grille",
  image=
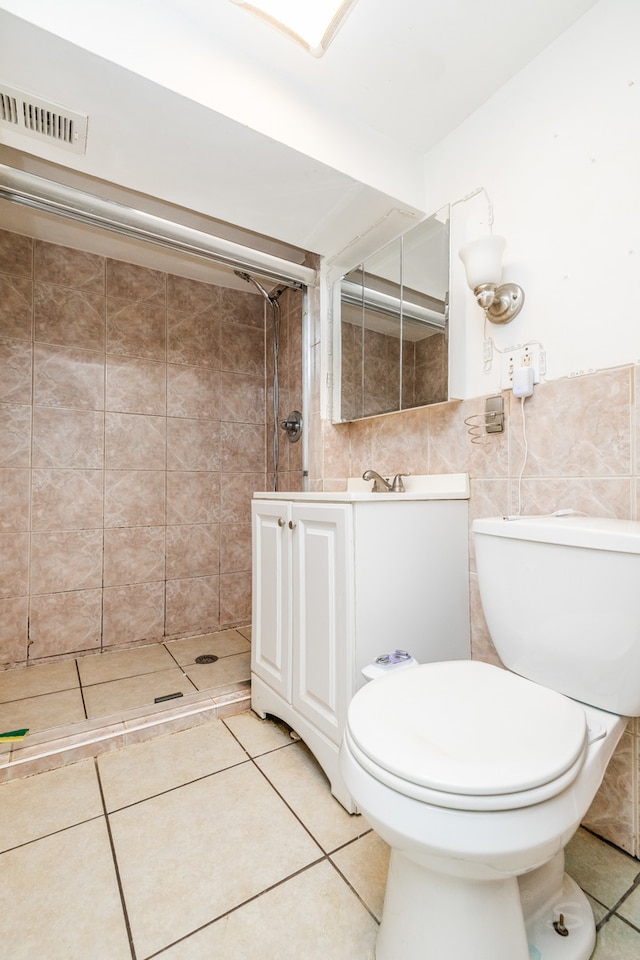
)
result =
(33, 117)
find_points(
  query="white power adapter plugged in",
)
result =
(523, 379)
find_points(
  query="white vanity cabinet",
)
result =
(302, 609)
(339, 579)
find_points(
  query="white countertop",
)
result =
(437, 486)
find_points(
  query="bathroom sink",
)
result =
(437, 486)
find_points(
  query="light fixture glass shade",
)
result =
(483, 260)
(312, 23)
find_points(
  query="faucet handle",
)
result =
(398, 486)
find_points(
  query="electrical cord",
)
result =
(524, 457)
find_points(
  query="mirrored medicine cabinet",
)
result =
(392, 330)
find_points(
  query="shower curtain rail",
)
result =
(17, 186)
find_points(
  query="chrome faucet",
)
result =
(380, 485)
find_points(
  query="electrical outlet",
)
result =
(532, 355)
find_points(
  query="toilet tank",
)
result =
(561, 596)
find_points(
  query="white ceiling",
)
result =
(204, 107)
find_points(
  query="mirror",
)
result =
(393, 324)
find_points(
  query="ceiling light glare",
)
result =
(313, 24)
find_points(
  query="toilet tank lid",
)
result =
(596, 533)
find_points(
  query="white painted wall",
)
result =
(558, 151)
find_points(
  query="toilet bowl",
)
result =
(477, 777)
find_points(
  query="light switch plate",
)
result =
(531, 355)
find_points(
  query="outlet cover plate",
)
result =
(531, 355)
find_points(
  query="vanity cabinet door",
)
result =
(271, 630)
(322, 641)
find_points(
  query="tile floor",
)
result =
(221, 840)
(67, 691)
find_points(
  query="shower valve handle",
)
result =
(293, 426)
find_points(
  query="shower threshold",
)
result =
(89, 738)
(73, 708)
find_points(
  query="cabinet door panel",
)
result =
(271, 616)
(322, 672)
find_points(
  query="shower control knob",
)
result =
(293, 425)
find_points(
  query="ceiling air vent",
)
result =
(33, 117)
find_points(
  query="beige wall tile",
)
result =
(192, 606)
(450, 446)
(66, 499)
(68, 377)
(16, 254)
(136, 329)
(577, 427)
(242, 447)
(134, 555)
(16, 307)
(136, 386)
(192, 392)
(236, 490)
(68, 560)
(193, 338)
(15, 435)
(68, 267)
(236, 306)
(235, 547)
(128, 281)
(235, 598)
(14, 500)
(188, 296)
(13, 629)
(242, 397)
(193, 550)
(133, 612)
(68, 438)
(65, 622)
(611, 813)
(193, 444)
(134, 498)
(241, 349)
(596, 496)
(16, 365)
(68, 316)
(135, 442)
(193, 497)
(14, 564)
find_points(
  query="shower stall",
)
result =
(139, 410)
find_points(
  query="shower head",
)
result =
(250, 279)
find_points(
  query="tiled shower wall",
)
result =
(286, 326)
(132, 434)
(583, 453)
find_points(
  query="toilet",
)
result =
(478, 776)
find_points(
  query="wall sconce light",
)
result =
(482, 261)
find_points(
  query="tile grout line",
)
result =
(114, 857)
(238, 906)
(346, 879)
(326, 854)
(84, 704)
(612, 911)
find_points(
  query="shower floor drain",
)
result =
(206, 658)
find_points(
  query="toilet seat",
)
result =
(467, 735)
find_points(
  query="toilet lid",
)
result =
(467, 727)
